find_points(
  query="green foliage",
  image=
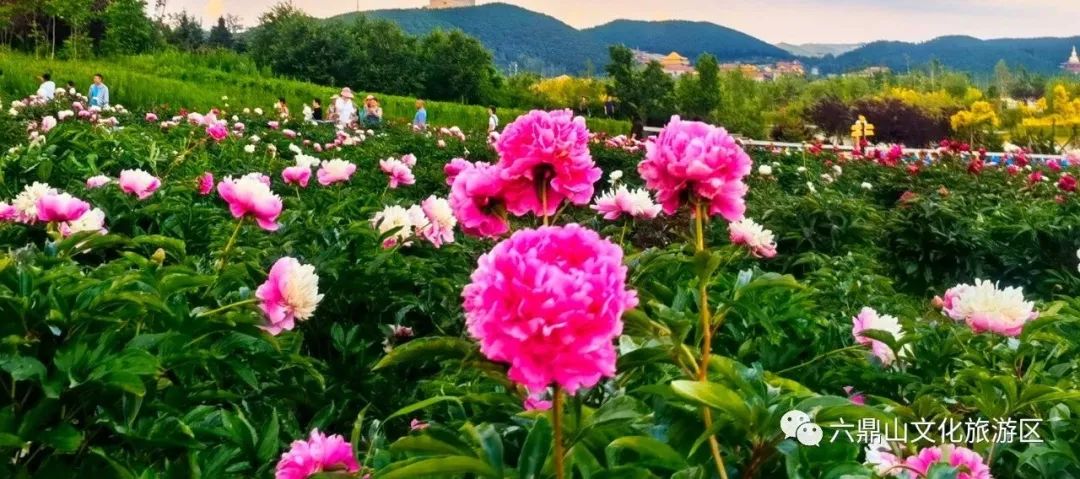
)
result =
(127, 29)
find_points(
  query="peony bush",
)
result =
(181, 300)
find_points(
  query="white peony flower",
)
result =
(93, 220)
(765, 170)
(866, 186)
(395, 217)
(26, 202)
(760, 241)
(615, 176)
(249, 148)
(984, 307)
(801, 169)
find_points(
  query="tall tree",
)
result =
(127, 28)
(457, 67)
(186, 32)
(699, 95)
(1002, 77)
(220, 35)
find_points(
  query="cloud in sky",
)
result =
(795, 21)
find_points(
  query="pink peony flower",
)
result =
(854, 396)
(477, 200)
(1067, 183)
(217, 131)
(290, 294)
(417, 425)
(549, 302)
(700, 161)
(93, 220)
(409, 160)
(440, 221)
(546, 151)
(1035, 178)
(398, 171)
(635, 204)
(273, 125)
(868, 319)
(8, 212)
(288, 133)
(1053, 165)
(97, 181)
(1012, 170)
(138, 183)
(969, 463)
(320, 453)
(454, 167)
(985, 308)
(758, 240)
(60, 207)
(206, 183)
(250, 196)
(151, 117)
(48, 123)
(335, 171)
(296, 175)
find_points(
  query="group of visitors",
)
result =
(342, 111)
(98, 95)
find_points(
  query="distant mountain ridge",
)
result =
(537, 42)
(818, 50)
(973, 55)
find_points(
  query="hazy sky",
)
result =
(794, 21)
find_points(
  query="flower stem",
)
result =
(820, 357)
(556, 418)
(230, 244)
(543, 205)
(706, 332)
(227, 307)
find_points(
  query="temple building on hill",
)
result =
(437, 4)
(1073, 65)
(676, 65)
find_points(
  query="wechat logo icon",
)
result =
(796, 424)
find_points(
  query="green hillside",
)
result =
(688, 38)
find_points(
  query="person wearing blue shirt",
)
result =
(420, 119)
(99, 93)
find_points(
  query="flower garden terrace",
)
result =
(246, 295)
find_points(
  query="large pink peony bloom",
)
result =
(48, 123)
(984, 308)
(320, 453)
(290, 294)
(60, 208)
(869, 319)
(476, 198)
(335, 171)
(969, 463)
(700, 161)
(250, 196)
(206, 183)
(139, 183)
(8, 212)
(398, 171)
(218, 131)
(296, 175)
(549, 302)
(546, 150)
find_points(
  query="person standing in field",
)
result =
(47, 89)
(419, 121)
(99, 93)
(493, 119)
(316, 109)
(344, 108)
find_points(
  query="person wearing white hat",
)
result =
(344, 107)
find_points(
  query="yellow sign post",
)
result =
(860, 131)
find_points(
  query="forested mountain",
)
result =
(688, 38)
(1039, 55)
(534, 41)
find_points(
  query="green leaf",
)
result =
(64, 438)
(535, 451)
(446, 466)
(650, 452)
(715, 396)
(126, 382)
(268, 443)
(427, 349)
(22, 368)
(423, 404)
(942, 471)
(491, 445)
(427, 445)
